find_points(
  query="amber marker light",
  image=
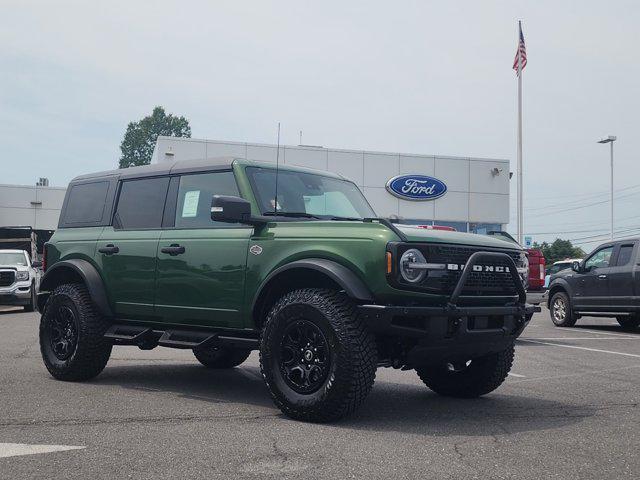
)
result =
(389, 262)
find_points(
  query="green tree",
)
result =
(559, 250)
(140, 137)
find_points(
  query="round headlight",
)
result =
(412, 275)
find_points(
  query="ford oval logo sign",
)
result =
(416, 187)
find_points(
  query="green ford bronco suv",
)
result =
(227, 256)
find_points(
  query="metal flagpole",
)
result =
(611, 189)
(520, 219)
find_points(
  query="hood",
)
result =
(424, 235)
(19, 268)
(567, 272)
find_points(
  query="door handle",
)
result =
(602, 277)
(110, 249)
(173, 250)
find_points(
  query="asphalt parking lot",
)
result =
(570, 410)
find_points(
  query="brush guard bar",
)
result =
(382, 318)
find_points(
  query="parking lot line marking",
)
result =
(17, 449)
(578, 338)
(598, 332)
(582, 348)
(515, 375)
(574, 375)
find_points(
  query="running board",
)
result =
(147, 338)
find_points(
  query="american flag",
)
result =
(522, 51)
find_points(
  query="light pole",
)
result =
(610, 139)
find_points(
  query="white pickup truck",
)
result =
(19, 279)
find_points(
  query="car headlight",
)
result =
(22, 276)
(412, 275)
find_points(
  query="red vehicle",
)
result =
(437, 227)
(536, 269)
(536, 261)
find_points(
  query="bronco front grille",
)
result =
(444, 281)
(7, 277)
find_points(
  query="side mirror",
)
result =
(575, 266)
(36, 264)
(230, 209)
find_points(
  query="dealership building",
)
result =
(469, 194)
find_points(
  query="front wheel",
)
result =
(316, 356)
(560, 309)
(31, 306)
(470, 378)
(629, 323)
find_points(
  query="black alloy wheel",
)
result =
(317, 357)
(304, 358)
(63, 331)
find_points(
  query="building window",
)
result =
(484, 228)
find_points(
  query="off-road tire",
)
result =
(31, 306)
(481, 376)
(630, 322)
(560, 310)
(91, 351)
(349, 345)
(221, 357)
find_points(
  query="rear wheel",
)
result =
(470, 378)
(72, 339)
(629, 323)
(221, 357)
(561, 313)
(316, 356)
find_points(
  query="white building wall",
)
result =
(477, 189)
(25, 205)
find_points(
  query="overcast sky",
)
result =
(428, 77)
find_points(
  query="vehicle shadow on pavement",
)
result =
(390, 406)
(417, 410)
(11, 310)
(237, 385)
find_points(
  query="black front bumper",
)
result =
(451, 331)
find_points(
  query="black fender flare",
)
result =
(559, 284)
(341, 275)
(87, 272)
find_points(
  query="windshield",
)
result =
(12, 258)
(307, 194)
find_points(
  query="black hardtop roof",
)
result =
(190, 166)
(164, 168)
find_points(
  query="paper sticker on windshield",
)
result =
(190, 205)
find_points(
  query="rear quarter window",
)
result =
(86, 203)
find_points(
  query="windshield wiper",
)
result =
(347, 219)
(291, 214)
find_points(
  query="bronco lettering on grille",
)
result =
(479, 268)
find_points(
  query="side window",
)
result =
(624, 256)
(141, 203)
(86, 203)
(193, 209)
(600, 259)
